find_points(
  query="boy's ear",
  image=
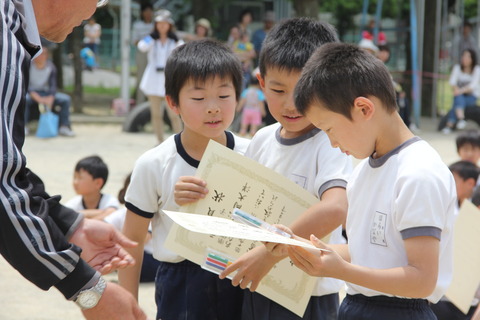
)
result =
(172, 105)
(99, 182)
(261, 81)
(472, 183)
(364, 107)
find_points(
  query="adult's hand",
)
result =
(102, 246)
(115, 303)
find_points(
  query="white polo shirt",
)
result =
(312, 163)
(408, 192)
(153, 182)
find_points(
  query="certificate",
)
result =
(235, 181)
(227, 228)
(466, 257)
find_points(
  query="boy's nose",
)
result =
(289, 103)
(213, 109)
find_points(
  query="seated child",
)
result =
(89, 177)
(465, 174)
(117, 219)
(468, 145)
(401, 197)
(203, 85)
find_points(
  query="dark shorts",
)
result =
(258, 307)
(149, 268)
(445, 310)
(186, 291)
(360, 307)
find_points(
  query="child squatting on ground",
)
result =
(295, 148)
(401, 198)
(203, 83)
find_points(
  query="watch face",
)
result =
(88, 299)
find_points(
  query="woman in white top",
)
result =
(141, 29)
(465, 83)
(158, 45)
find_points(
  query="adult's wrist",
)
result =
(83, 276)
(89, 297)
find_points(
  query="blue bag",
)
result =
(47, 123)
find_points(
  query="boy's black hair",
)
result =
(337, 74)
(95, 166)
(291, 42)
(465, 170)
(198, 61)
(468, 137)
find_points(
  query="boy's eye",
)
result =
(278, 91)
(224, 97)
(197, 99)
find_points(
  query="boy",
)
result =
(203, 83)
(401, 199)
(468, 145)
(89, 177)
(465, 174)
(301, 152)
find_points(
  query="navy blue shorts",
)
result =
(149, 268)
(186, 291)
(445, 310)
(258, 307)
(360, 307)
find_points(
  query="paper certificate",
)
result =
(235, 181)
(466, 259)
(228, 228)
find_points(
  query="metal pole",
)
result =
(415, 76)
(364, 17)
(378, 17)
(438, 26)
(125, 50)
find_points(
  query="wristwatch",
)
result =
(89, 298)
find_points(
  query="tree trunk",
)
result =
(57, 61)
(428, 57)
(306, 8)
(77, 40)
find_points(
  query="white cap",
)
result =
(368, 45)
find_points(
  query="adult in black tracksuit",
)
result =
(34, 227)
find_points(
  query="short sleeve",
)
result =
(143, 192)
(422, 199)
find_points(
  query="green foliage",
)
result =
(96, 90)
(344, 10)
(470, 8)
(390, 8)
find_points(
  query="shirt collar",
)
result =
(29, 24)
